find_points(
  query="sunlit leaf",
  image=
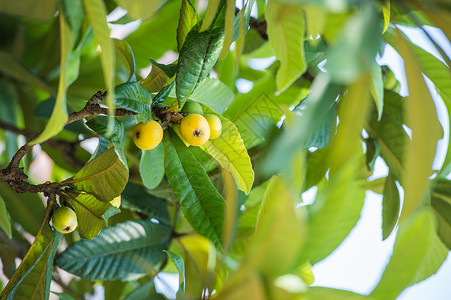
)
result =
(390, 206)
(210, 14)
(140, 9)
(188, 19)
(441, 206)
(286, 30)
(228, 149)
(125, 54)
(386, 12)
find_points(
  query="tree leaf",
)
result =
(277, 224)
(229, 150)
(386, 12)
(5, 224)
(156, 79)
(201, 203)
(134, 97)
(390, 206)
(377, 88)
(441, 206)
(188, 19)
(125, 54)
(417, 254)
(151, 166)
(318, 293)
(286, 33)
(228, 27)
(118, 137)
(38, 12)
(59, 115)
(125, 251)
(105, 176)
(97, 13)
(421, 117)
(92, 214)
(32, 269)
(210, 14)
(142, 292)
(180, 265)
(136, 198)
(197, 57)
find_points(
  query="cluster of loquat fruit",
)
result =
(196, 128)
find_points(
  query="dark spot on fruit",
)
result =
(197, 133)
(137, 134)
(67, 228)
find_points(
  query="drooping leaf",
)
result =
(136, 198)
(97, 13)
(59, 115)
(201, 203)
(228, 27)
(286, 33)
(377, 88)
(105, 176)
(125, 54)
(390, 206)
(29, 280)
(421, 117)
(229, 150)
(125, 251)
(92, 214)
(151, 166)
(197, 57)
(188, 19)
(100, 125)
(418, 253)
(5, 223)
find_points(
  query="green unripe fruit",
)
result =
(192, 107)
(64, 220)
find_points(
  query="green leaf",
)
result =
(118, 137)
(180, 265)
(125, 54)
(377, 88)
(105, 176)
(155, 80)
(386, 12)
(151, 166)
(441, 206)
(277, 225)
(390, 206)
(197, 57)
(5, 224)
(417, 254)
(210, 14)
(125, 251)
(97, 13)
(92, 214)
(134, 97)
(390, 134)
(188, 19)
(140, 9)
(421, 117)
(213, 93)
(228, 27)
(26, 209)
(59, 115)
(142, 292)
(286, 33)
(229, 150)
(135, 197)
(201, 203)
(29, 280)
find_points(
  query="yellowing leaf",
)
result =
(421, 117)
(286, 35)
(210, 14)
(386, 12)
(228, 149)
